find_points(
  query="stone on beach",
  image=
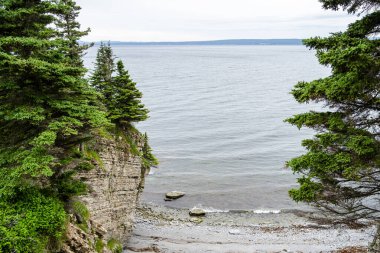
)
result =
(196, 220)
(174, 195)
(197, 212)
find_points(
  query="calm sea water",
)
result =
(216, 121)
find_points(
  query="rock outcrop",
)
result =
(114, 186)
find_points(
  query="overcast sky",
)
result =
(191, 20)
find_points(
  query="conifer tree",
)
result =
(341, 170)
(70, 33)
(120, 94)
(46, 109)
(125, 105)
(148, 159)
(101, 79)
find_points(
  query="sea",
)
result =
(217, 121)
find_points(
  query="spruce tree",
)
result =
(101, 78)
(120, 94)
(125, 105)
(46, 109)
(341, 170)
(148, 159)
(69, 30)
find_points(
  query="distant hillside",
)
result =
(236, 42)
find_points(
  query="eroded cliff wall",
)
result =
(114, 186)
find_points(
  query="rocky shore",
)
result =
(161, 229)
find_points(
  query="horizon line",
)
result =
(181, 41)
(287, 41)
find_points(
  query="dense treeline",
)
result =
(47, 109)
(341, 170)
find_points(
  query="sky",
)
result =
(197, 20)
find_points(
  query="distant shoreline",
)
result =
(233, 42)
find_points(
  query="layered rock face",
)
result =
(114, 187)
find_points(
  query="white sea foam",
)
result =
(267, 211)
(215, 210)
(211, 209)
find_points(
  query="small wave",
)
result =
(267, 211)
(211, 209)
(215, 210)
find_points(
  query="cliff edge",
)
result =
(104, 217)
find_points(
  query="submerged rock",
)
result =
(197, 212)
(174, 195)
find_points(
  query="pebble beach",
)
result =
(170, 230)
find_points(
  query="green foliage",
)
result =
(351, 6)
(125, 105)
(45, 101)
(148, 159)
(30, 221)
(81, 209)
(120, 94)
(69, 31)
(115, 246)
(104, 69)
(46, 109)
(99, 245)
(94, 157)
(83, 227)
(84, 166)
(67, 186)
(340, 171)
(128, 135)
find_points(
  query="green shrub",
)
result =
(115, 246)
(67, 186)
(29, 221)
(99, 245)
(80, 209)
(92, 155)
(84, 166)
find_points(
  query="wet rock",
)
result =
(174, 195)
(197, 212)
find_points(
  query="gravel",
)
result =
(167, 230)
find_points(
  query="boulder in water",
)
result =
(174, 195)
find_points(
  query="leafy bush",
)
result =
(27, 224)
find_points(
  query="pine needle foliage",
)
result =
(341, 170)
(148, 159)
(120, 94)
(46, 109)
(125, 105)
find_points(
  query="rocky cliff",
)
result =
(113, 192)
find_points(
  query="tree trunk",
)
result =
(375, 245)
